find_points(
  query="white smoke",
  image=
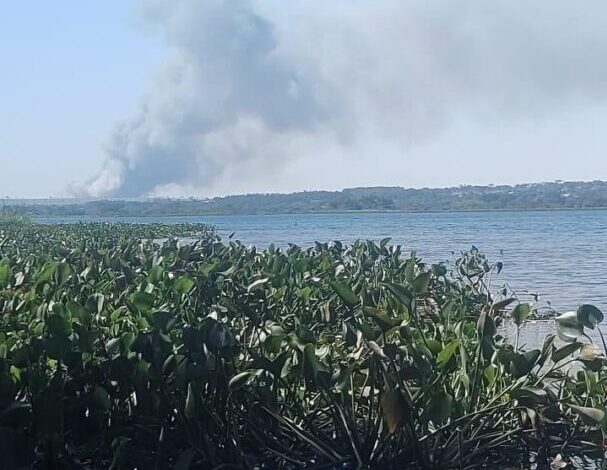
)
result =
(256, 86)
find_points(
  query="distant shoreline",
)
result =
(464, 199)
(362, 211)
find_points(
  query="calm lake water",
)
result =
(562, 255)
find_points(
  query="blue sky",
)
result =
(188, 97)
(70, 71)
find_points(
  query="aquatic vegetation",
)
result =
(122, 347)
(13, 218)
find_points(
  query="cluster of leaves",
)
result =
(122, 347)
(13, 218)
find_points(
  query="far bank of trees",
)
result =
(557, 195)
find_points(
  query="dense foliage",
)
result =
(13, 218)
(566, 195)
(121, 347)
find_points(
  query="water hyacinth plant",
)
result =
(122, 347)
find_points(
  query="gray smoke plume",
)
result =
(254, 85)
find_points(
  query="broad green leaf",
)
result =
(439, 408)
(382, 320)
(520, 313)
(395, 409)
(58, 326)
(401, 293)
(345, 293)
(183, 285)
(240, 380)
(447, 353)
(565, 351)
(143, 300)
(589, 316)
(155, 274)
(5, 274)
(95, 302)
(311, 366)
(590, 416)
(421, 283)
(62, 273)
(113, 346)
(45, 274)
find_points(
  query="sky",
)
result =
(127, 98)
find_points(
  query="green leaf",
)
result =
(589, 316)
(547, 349)
(58, 347)
(183, 285)
(311, 365)
(382, 320)
(5, 274)
(447, 353)
(529, 392)
(143, 300)
(102, 398)
(45, 274)
(113, 346)
(345, 293)
(258, 284)
(520, 313)
(590, 416)
(421, 283)
(410, 270)
(522, 364)
(565, 351)
(568, 327)
(155, 274)
(439, 408)
(56, 325)
(401, 293)
(190, 402)
(395, 409)
(502, 304)
(62, 273)
(94, 303)
(439, 270)
(240, 380)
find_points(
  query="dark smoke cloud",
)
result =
(254, 85)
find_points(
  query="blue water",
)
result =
(562, 255)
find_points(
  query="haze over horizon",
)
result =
(190, 98)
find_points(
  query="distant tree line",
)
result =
(557, 195)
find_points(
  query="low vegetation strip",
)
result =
(558, 195)
(122, 347)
